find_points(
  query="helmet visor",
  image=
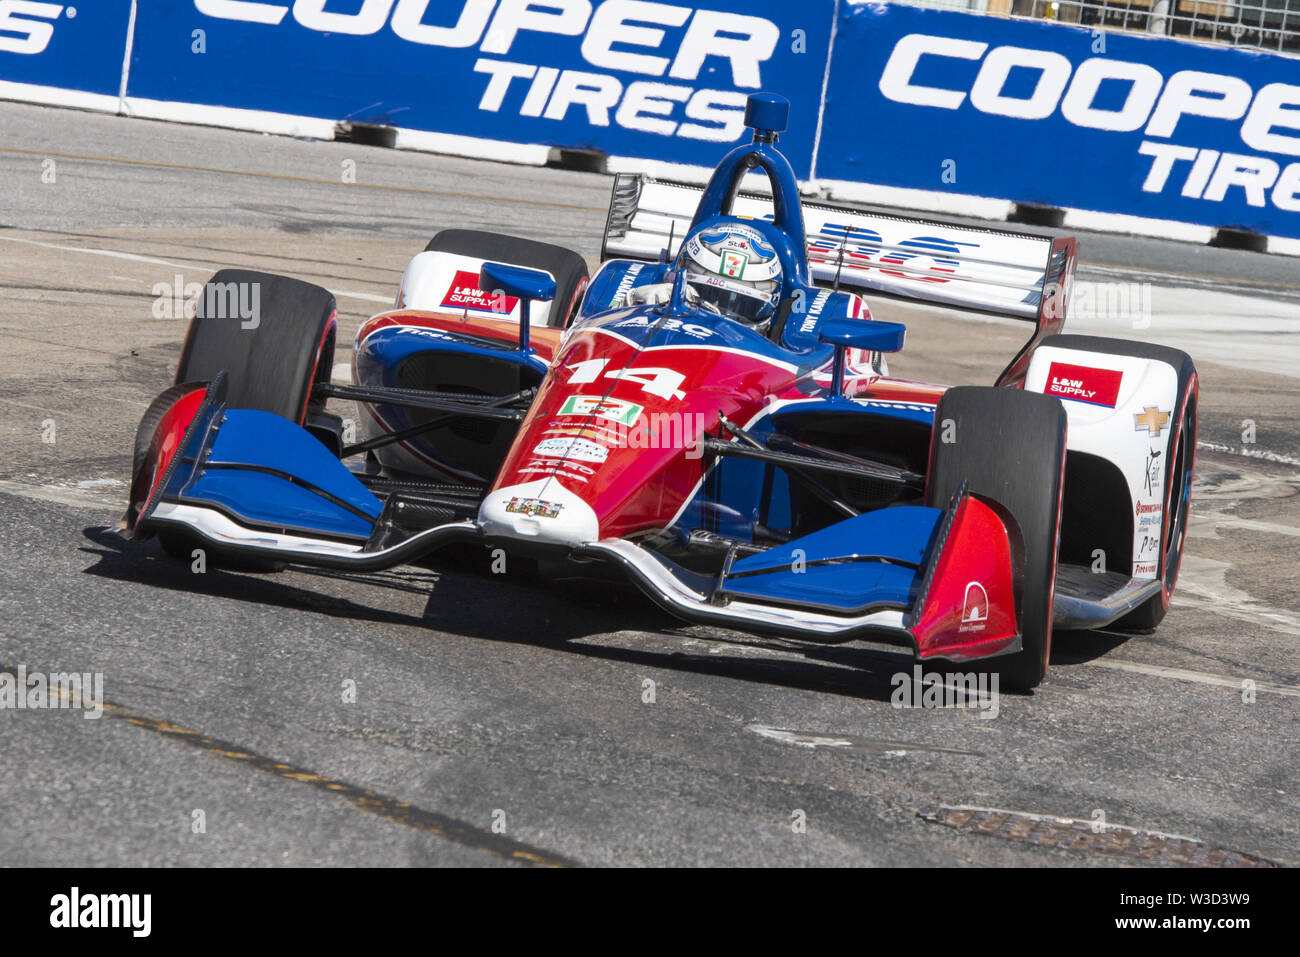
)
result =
(734, 300)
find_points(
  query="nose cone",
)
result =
(542, 511)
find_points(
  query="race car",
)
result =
(709, 417)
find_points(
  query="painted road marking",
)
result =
(112, 253)
(73, 497)
(1096, 836)
(1180, 674)
(1262, 455)
(850, 742)
(116, 254)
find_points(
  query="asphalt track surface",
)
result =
(485, 699)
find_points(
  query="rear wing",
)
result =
(1022, 275)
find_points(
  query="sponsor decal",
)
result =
(1150, 543)
(539, 468)
(626, 283)
(897, 406)
(647, 67)
(1152, 472)
(535, 507)
(1151, 419)
(1148, 514)
(666, 325)
(975, 609)
(733, 265)
(17, 17)
(573, 448)
(740, 237)
(1139, 570)
(1084, 383)
(428, 333)
(549, 464)
(596, 432)
(1158, 115)
(615, 410)
(464, 293)
(835, 245)
(815, 310)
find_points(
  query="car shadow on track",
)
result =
(1080, 647)
(145, 563)
(593, 620)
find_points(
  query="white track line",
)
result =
(1262, 455)
(1057, 819)
(74, 497)
(1248, 524)
(112, 253)
(115, 254)
(1200, 677)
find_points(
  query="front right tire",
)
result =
(1009, 446)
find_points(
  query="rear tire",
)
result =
(1009, 446)
(273, 359)
(568, 268)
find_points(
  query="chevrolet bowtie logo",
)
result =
(1153, 420)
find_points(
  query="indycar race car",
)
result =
(709, 417)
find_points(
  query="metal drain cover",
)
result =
(1070, 834)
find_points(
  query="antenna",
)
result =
(839, 266)
(672, 233)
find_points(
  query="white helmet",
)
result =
(733, 270)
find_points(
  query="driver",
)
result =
(730, 271)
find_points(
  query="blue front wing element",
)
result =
(265, 471)
(873, 560)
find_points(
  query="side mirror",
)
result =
(519, 283)
(869, 335)
(865, 334)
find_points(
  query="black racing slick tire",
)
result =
(568, 268)
(1009, 446)
(1179, 466)
(273, 337)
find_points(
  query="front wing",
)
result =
(944, 581)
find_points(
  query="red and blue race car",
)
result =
(710, 417)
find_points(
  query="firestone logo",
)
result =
(659, 40)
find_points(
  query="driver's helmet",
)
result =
(733, 270)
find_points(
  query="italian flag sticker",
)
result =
(615, 410)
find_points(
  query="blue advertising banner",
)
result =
(1062, 116)
(661, 81)
(74, 46)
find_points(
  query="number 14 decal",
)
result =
(661, 382)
